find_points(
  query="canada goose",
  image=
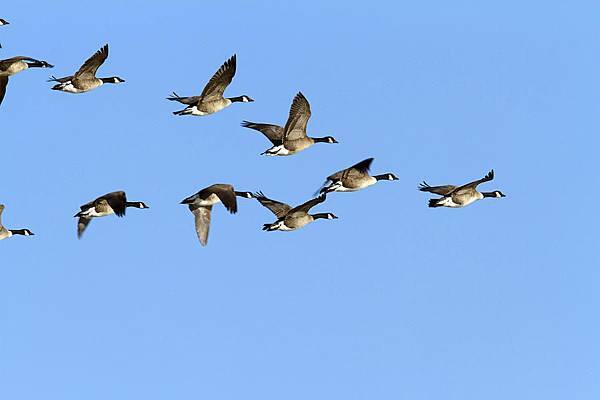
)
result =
(288, 218)
(211, 100)
(3, 22)
(459, 196)
(85, 79)
(15, 65)
(200, 204)
(110, 203)
(6, 233)
(292, 138)
(354, 178)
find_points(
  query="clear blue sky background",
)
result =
(391, 301)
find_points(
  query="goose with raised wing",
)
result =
(292, 138)
(110, 203)
(201, 203)
(291, 218)
(354, 178)
(85, 79)
(459, 196)
(6, 233)
(212, 100)
(14, 65)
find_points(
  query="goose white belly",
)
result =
(285, 228)
(92, 213)
(447, 202)
(211, 200)
(278, 151)
(69, 88)
(281, 226)
(194, 111)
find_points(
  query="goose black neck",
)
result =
(135, 204)
(247, 195)
(321, 216)
(321, 139)
(112, 79)
(38, 64)
(238, 99)
(488, 194)
(19, 232)
(382, 177)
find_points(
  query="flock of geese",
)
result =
(285, 140)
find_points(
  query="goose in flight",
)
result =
(201, 203)
(354, 178)
(291, 218)
(85, 79)
(291, 138)
(211, 100)
(6, 233)
(459, 196)
(14, 65)
(110, 203)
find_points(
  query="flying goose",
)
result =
(6, 233)
(211, 100)
(110, 203)
(288, 218)
(85, 79)
(459, 196)
(354, 178)
(15, 65)
(200, 204)
(3, 22)
(292, 138)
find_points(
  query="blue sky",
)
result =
(391, 301)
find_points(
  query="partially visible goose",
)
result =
(459, 196)
(6, 233)
(292, 138)
(288, 218)
(14, 65)
(3, 22)
(211, 100)
(200, 204)
(85, 79)
(354, 178)
(110, 203)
